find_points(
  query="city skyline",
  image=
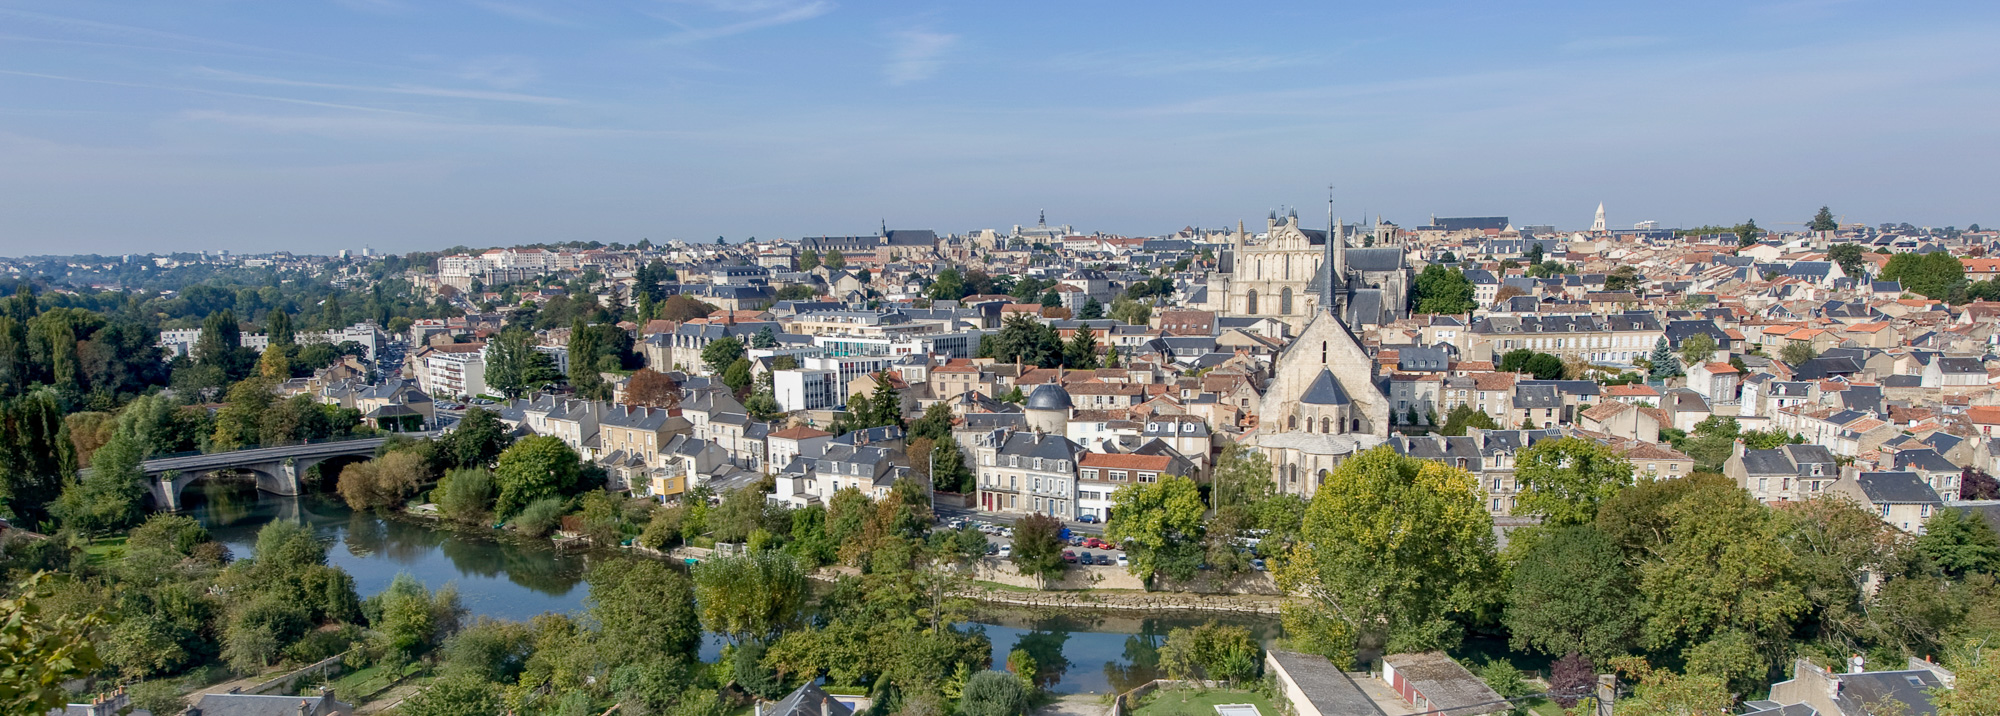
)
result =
(408, 126)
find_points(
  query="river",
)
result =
(1079, 652)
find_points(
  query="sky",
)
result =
(317, 125)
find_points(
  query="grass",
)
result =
(105, 550)
(1004, 587)
(358, 686)
(1173, 702)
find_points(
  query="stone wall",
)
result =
(1143, 601)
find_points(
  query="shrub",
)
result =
(541, 516)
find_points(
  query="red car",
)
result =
(1069, 556)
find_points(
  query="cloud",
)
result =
(916, 56)
(502, 71)
(520, 11)
(1153, 64)
(780, 13)
(217, 93)
(416, 90)
(1611, 42)
(406, 128)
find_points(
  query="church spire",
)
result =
(1335, 259)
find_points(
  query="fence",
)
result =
(285, 684)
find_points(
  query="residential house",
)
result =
(1900, 498)
(1029, 472)
(1785, 474)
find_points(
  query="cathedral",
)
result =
(1282, 277)
(1323, 403)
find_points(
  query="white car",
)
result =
(1123, 562)
(1006, 551)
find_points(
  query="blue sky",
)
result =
(403, 124)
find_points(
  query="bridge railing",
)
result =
(282, 443)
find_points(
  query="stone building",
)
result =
(1280, 278)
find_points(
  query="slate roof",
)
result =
(1903, 488)
(1923, 461)
(1049, 447)
(1324, 686)
(1536, 396)
(808, 700)
(1325, 390)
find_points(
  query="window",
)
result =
(1149, 477)
(1013, 461)
(1038, 463)
(1118, 475)
(1089, 474)
(1152, 427)
(1763, 483)
(1496, 484)
(1062, 466)
(1884, 509)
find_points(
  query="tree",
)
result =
(1660, 692)
(1464, 416)
(1823, 221)
(1931, 275)
(1038, 546)
(1081, 351)
(109, 498)
(1210, 652)
(1746, 233)
(1443, 290)
(1395, 547)
(765, 338)
(1051, 299)
(1696, 349)
(1623, 278)
(651, 388)
(949, 286)
(513, 365)
(721, 352)
(644, 608)
(1126, 310)
(1662, 360)
(681, 308)
(994, 693)
(414, 620)
(477, 441)
(386, 481)
(808, 260)
(38, 653)
(1977, 688)
(1092, 310)
(1565, 479)
(273, 365)
(1160, 525)
(835, 260)
(1572, 679)
(454, 695)
(534, 468)
(950, 473)
(1572, 593)
(584, 377)
(751, 597)
(466, 495)
(1542, 365)
(1849, 258)
(1975, 484)
(1026, 340)
(1960, 543)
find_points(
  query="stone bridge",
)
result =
(277, 468)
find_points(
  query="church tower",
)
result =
(1598, 225)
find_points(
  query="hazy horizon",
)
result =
(314, 127)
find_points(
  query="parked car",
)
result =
(1006, 550)
(992, 548)
(1257, 564)
(1069, 556)
(1076, 542)
(1103, 560)
(1087, 558)
(1123, 562)
(1095, 543)
(1089, 519)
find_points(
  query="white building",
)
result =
(458, 369)
(807, 389)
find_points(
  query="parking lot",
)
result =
(999, 539)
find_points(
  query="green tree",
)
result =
(1395, 547)
(1026, 340)
(110, 497)
(1210, 652)
(386, 481)
(1746, 233)
(949, 286)
(534, 468)
(1797, 352)
(994, 693)
(754, 596)
(467, 495)
(1160, 525)
(39, 653)
(584, 376)
(454, 695)
(1662, 360)
(644, 608)
(1051, 299)
(1977, 688)
(1823, 221)
(1442, 290)
(413, 620)
(1126, 310)
(949, 471)
(834, 260)
(1696, 349)
(1092, 310)
(1080, 353)
(1523, 360)
(510, 362)
(1565, 480)
(1849, 258)
(1931, 275)
(1464, 416)
(1624, 278)
(1038, 546)
(720, 353)
(1960, 543)
(1571, 592)
(808, 260)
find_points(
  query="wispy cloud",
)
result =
(217, 93)
(416, 90)
(772, 14)
(917, 55)
(523, 12)
(1611, 42)
(502, 71)
(1155, 64)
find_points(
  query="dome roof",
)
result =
(1048, 396)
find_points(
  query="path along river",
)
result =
(1092, 652)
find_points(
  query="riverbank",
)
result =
(1125, 600)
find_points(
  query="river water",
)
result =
(1079, 652)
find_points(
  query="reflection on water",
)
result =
(495, 578)
(1099, 652)
(1074, 652)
